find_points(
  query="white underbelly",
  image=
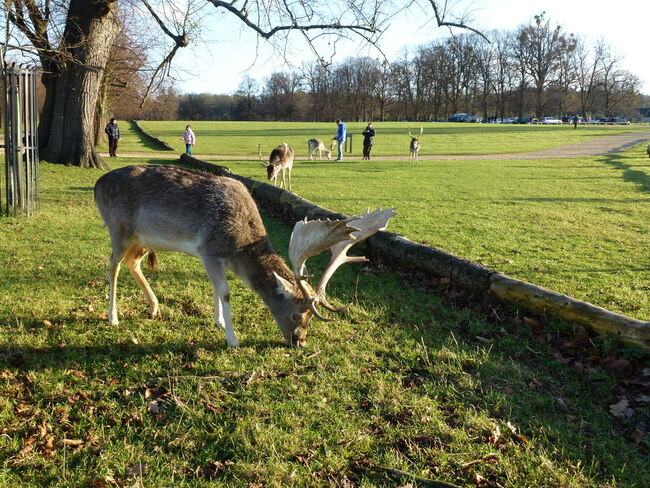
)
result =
(162, 243)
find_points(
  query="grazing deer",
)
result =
(318, 145)
(280, 160)
(166, 208)
(414, 147)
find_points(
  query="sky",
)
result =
(230, 52)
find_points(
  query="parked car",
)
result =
(458, 118)
(549, 120)
(510, 120)
(527, 120)
(473, 118)
(568, 119)
(614, 121)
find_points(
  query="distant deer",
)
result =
(165, 208)
(280, 161)
(318, 145)
(414, 147)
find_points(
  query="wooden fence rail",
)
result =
(21, 185)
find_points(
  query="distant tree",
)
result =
(247, 99)
(541, 49)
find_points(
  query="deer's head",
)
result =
(415, 140)
(310, 238)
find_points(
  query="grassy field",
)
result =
(404, 382)
(577, 226)
(242, 138)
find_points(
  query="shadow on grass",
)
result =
(640, 178)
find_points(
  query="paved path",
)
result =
(593, 147)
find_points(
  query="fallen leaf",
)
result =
(154, 407)
(135, 470)
(621, 409)
(533, 324)
(517, 435)
(562, 405)
(496, 435)
(73, 442)
(28, 446)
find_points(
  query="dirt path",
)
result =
(593, 147)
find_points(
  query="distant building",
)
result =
(645, 114)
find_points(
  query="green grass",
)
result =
(399, 382)
(242, 138)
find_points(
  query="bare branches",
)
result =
(293, 23)
(440, 19)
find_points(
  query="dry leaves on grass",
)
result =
(621, 409)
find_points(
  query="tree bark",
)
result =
(72, 84)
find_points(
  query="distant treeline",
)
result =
(535, 70)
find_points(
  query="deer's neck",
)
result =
(256, 265)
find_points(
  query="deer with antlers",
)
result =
(280, 161)
(414, 147)
(318, 145)
(214, 218)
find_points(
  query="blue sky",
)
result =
(218, 65)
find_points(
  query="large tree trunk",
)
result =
(72, 84)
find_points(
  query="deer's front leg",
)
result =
(112, 283)
(222, 317)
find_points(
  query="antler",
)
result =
(259, 150)
(310, 238)
(368, 224)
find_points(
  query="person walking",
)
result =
(113, 133)
(575, 121)
(368, 140)
(190, 139)
(340, 138)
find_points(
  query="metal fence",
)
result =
(21, 185)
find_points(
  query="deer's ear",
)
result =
(285, 287)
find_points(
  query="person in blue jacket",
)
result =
(340, 138)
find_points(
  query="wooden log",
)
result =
(629, 331)
(159, 142)
(467, 275)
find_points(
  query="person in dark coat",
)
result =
(368, 140)
(113, 133)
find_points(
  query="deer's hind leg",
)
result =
(132, 259)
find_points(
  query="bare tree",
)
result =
(541, 48)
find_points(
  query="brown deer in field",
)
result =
(318, 145)
(213, 218)
(414, 147)
(280, 161)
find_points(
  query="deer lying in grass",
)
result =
(414, 147)
(280, 161)
(318, 145)
(213, 218)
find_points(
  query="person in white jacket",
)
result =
(189, 138)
